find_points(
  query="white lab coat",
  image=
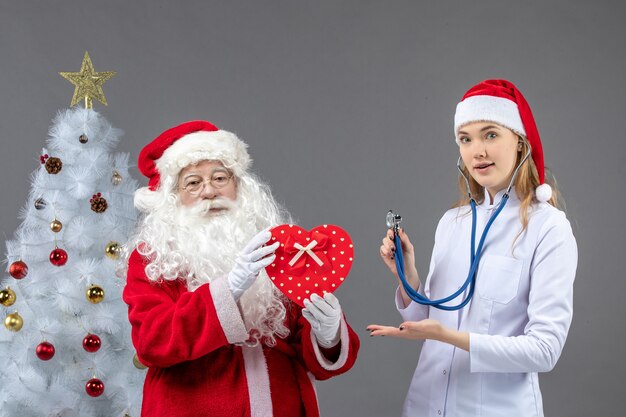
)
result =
(518, 318)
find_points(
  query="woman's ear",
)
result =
(519, 146)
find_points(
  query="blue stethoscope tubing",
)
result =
(474, 254)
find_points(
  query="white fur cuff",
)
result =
(227, 311)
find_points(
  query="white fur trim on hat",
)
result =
(219, 145)
(543, 193)
(488, 109)
(145, 199)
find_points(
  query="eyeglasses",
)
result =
(194, 185)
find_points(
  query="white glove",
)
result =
(250, 262)
(324, 314)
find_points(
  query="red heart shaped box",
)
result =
(305, 275)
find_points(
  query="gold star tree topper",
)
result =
(88, 83)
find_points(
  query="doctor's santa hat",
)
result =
(499, 101)
(188, 143)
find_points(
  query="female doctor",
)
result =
(483, 358)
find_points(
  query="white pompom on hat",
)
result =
(183, 145)
(499, 101)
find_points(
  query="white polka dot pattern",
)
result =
(300, 283)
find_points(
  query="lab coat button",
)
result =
(439, 412)
(444, 372)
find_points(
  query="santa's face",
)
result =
(210, 183)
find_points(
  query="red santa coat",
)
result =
(195, 369)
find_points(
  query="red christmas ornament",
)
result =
(18, 269)
(91, 343)
(45, 351)
(94, 387)
(58, 257)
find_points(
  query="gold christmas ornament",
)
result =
(7, 297)
(137, 363)
(88, 83)
(112, 250)
(56, 226)
(95, 294)
(14, 322)
(116, 179)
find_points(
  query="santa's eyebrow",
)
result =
(192, 175)
(213, 172)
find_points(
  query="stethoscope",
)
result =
(393, 222)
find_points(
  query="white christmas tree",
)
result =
(66, 348)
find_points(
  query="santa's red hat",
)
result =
(182, 145)
(499, 101)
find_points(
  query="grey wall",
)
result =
(347, 107)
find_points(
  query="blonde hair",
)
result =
(525, 184)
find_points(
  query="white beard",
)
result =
(202, 246)
(210, 243)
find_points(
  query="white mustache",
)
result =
(204, 206)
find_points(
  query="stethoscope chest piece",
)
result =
(393, 221)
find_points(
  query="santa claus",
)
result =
(219, 339)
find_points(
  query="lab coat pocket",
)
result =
(498, 278)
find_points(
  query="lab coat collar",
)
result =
(513, 199)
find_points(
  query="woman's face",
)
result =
(213, 174)
(489, 151)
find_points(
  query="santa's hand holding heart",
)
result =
(254, 257)
(324, 314)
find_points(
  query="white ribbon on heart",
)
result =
(308, 249)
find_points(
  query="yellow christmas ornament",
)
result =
(88, 83)
(56, 226)
(112, 250)
(7, 297)
(14, 322)
(95, 294)
(138, 363)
